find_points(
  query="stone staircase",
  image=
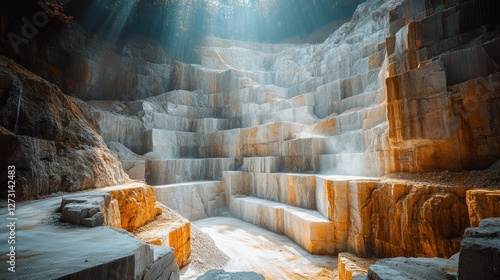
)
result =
(251, 129)
(260, 129)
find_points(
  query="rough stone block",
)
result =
(480, 254)
(467, 64)
(136, 203)
(171, 144)
(298, 190)
(482, 204)
(332, 202)
(352, 267)
(90, 210)
(193, 200)
(120, 128)
(209, 125)
(155, 120)
(169, 230)
(135, 169)
(309, 229)
(360, 222)
(163, 265)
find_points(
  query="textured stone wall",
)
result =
(89, 68)
(50, 138)
(443, 85)
(390, 219)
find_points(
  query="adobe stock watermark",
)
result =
(31, 26)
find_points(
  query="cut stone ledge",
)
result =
(307, 228)
(116, 255)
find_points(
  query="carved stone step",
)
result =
(307, 228)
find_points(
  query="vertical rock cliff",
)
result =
(50, 138)
(443, 85)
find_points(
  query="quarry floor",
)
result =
(245, 247)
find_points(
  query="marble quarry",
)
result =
(261, 131)
(298, 139)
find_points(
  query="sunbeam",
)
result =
(180, 25)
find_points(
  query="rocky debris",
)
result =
(480, 254)
(48, 138)
(352, 267)
(90, 210)
(414, 268)
(205, 255)
(487, 179)
(221, 274)
(168, 229)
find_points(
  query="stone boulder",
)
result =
(90, 210)
(50, 138)
(136, 203)
(480, 254)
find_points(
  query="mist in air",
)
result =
(181, 24)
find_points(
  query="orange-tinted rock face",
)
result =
(390, 219)
(482, 204)
(50, 138)
(136, 205)
(352, 267)
(417, 221)
(169, 229)
(442, 89)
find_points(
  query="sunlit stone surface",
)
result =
(290, 137)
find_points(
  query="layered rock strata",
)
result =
(478, 259)
(50, 138)
(443, 85)
(384, 93)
